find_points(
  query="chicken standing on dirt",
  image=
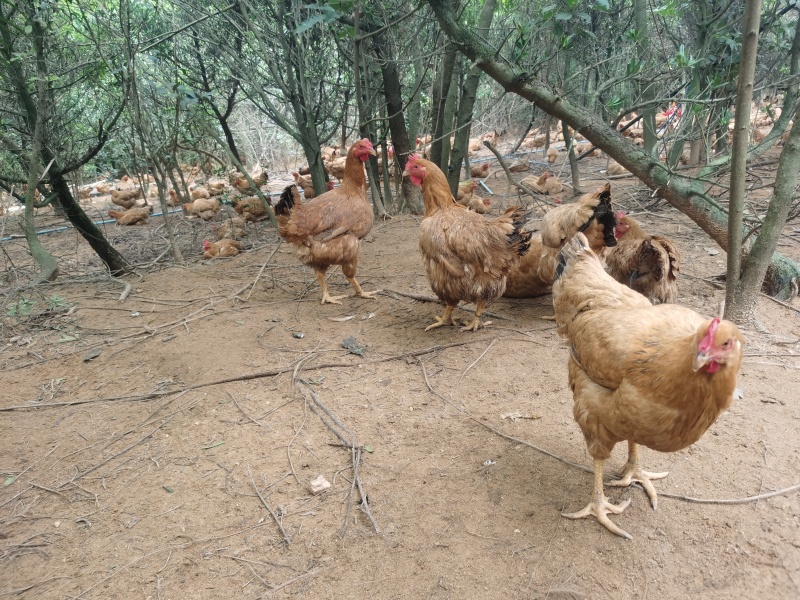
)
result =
(646, 263)
(467, 256)
(658, 376)
(327, 230)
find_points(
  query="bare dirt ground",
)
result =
(130, 473)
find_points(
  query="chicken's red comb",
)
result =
(620, 214)
(708, 340)
(413, 158)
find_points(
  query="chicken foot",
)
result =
(361, 293)
(631, 472)
(476, 323)
(327, 298)
(446, 319)
(600, 507)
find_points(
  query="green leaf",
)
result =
(602, 5)
(368, 448)
(214, 445)
(168, 489)
(9, 480)
(562, 16)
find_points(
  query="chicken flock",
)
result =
(641, 368)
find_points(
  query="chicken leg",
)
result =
(600, 507)
(446, 319)
(349, 271)
(326, 298)
(476, 323)
(632, 472)
(361, 293)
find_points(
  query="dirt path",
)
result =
(155, 498)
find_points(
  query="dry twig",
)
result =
(286, 539)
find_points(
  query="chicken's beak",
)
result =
(701, 359)
(373, 153)
(405, 173)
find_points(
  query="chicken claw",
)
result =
(473, 325)
(328, 299)
(633, 473)
(476, 323)
(446, 319)
(368, 295)
(600, 508)
(361, 293)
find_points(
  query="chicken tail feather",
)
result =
(286, 202)
(519, 237)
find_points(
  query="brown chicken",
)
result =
(536, 271)
(327, 230)
(233, 228)
(224, 248)
(552, 155)
(200, 193)
(617, 169)
(125, 198)
(479, 171)
(544, 184)
(205, 208)
(656, 376)
(465, 191)
(646, 263)
(336, 167)
(132, 216)
(251, 209)
(307, 185)
(244, 187)
(467, 257)
(479, 205)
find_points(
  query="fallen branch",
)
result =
(423, 298)
(517, 184)
(110, 458)
(352, 443)
(245, 377)
(286, 539)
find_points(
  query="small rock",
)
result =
(319, 485)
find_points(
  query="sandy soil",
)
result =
(164, 447)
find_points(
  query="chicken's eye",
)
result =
(726, 344)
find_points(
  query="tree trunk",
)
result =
(46, 262)
(465, 108)
(646, 94)
(394, 106)
(688, 196)
(741, 139)
(74, 213)
(441, 92)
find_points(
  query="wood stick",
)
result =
(519, 185)
(423, 298)
(246, 377)
(286, 539)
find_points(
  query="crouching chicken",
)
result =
(656, 376)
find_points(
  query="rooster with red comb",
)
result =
(467, 256)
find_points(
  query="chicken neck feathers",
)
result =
(342, 211)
